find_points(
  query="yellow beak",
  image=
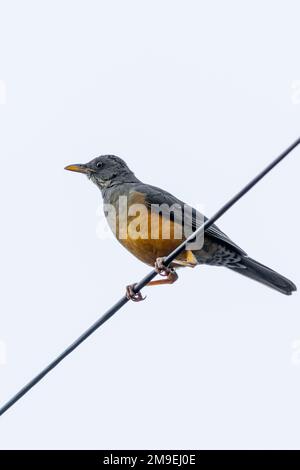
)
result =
(78, 167)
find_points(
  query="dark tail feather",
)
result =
(265, 275)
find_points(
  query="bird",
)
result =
(147, 206)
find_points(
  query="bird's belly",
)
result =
(148, 244)
(149, 250)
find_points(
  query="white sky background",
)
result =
(197, 97)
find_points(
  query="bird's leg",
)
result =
(169, 273)
(166, 271)
(134, 296)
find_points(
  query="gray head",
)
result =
(105, 171)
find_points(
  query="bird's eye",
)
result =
(99, 165)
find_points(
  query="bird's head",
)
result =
(104, 171)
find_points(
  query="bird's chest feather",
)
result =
(148, 243)
(147, 235)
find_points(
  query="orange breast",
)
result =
(150, 236)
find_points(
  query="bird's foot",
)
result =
(161, 268)
(165, 271)
(132, 295)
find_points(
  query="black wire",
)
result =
(151, 275)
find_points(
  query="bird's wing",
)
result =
(156, 196)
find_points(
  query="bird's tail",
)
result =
(265, 275)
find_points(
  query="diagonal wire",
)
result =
(151, 275)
